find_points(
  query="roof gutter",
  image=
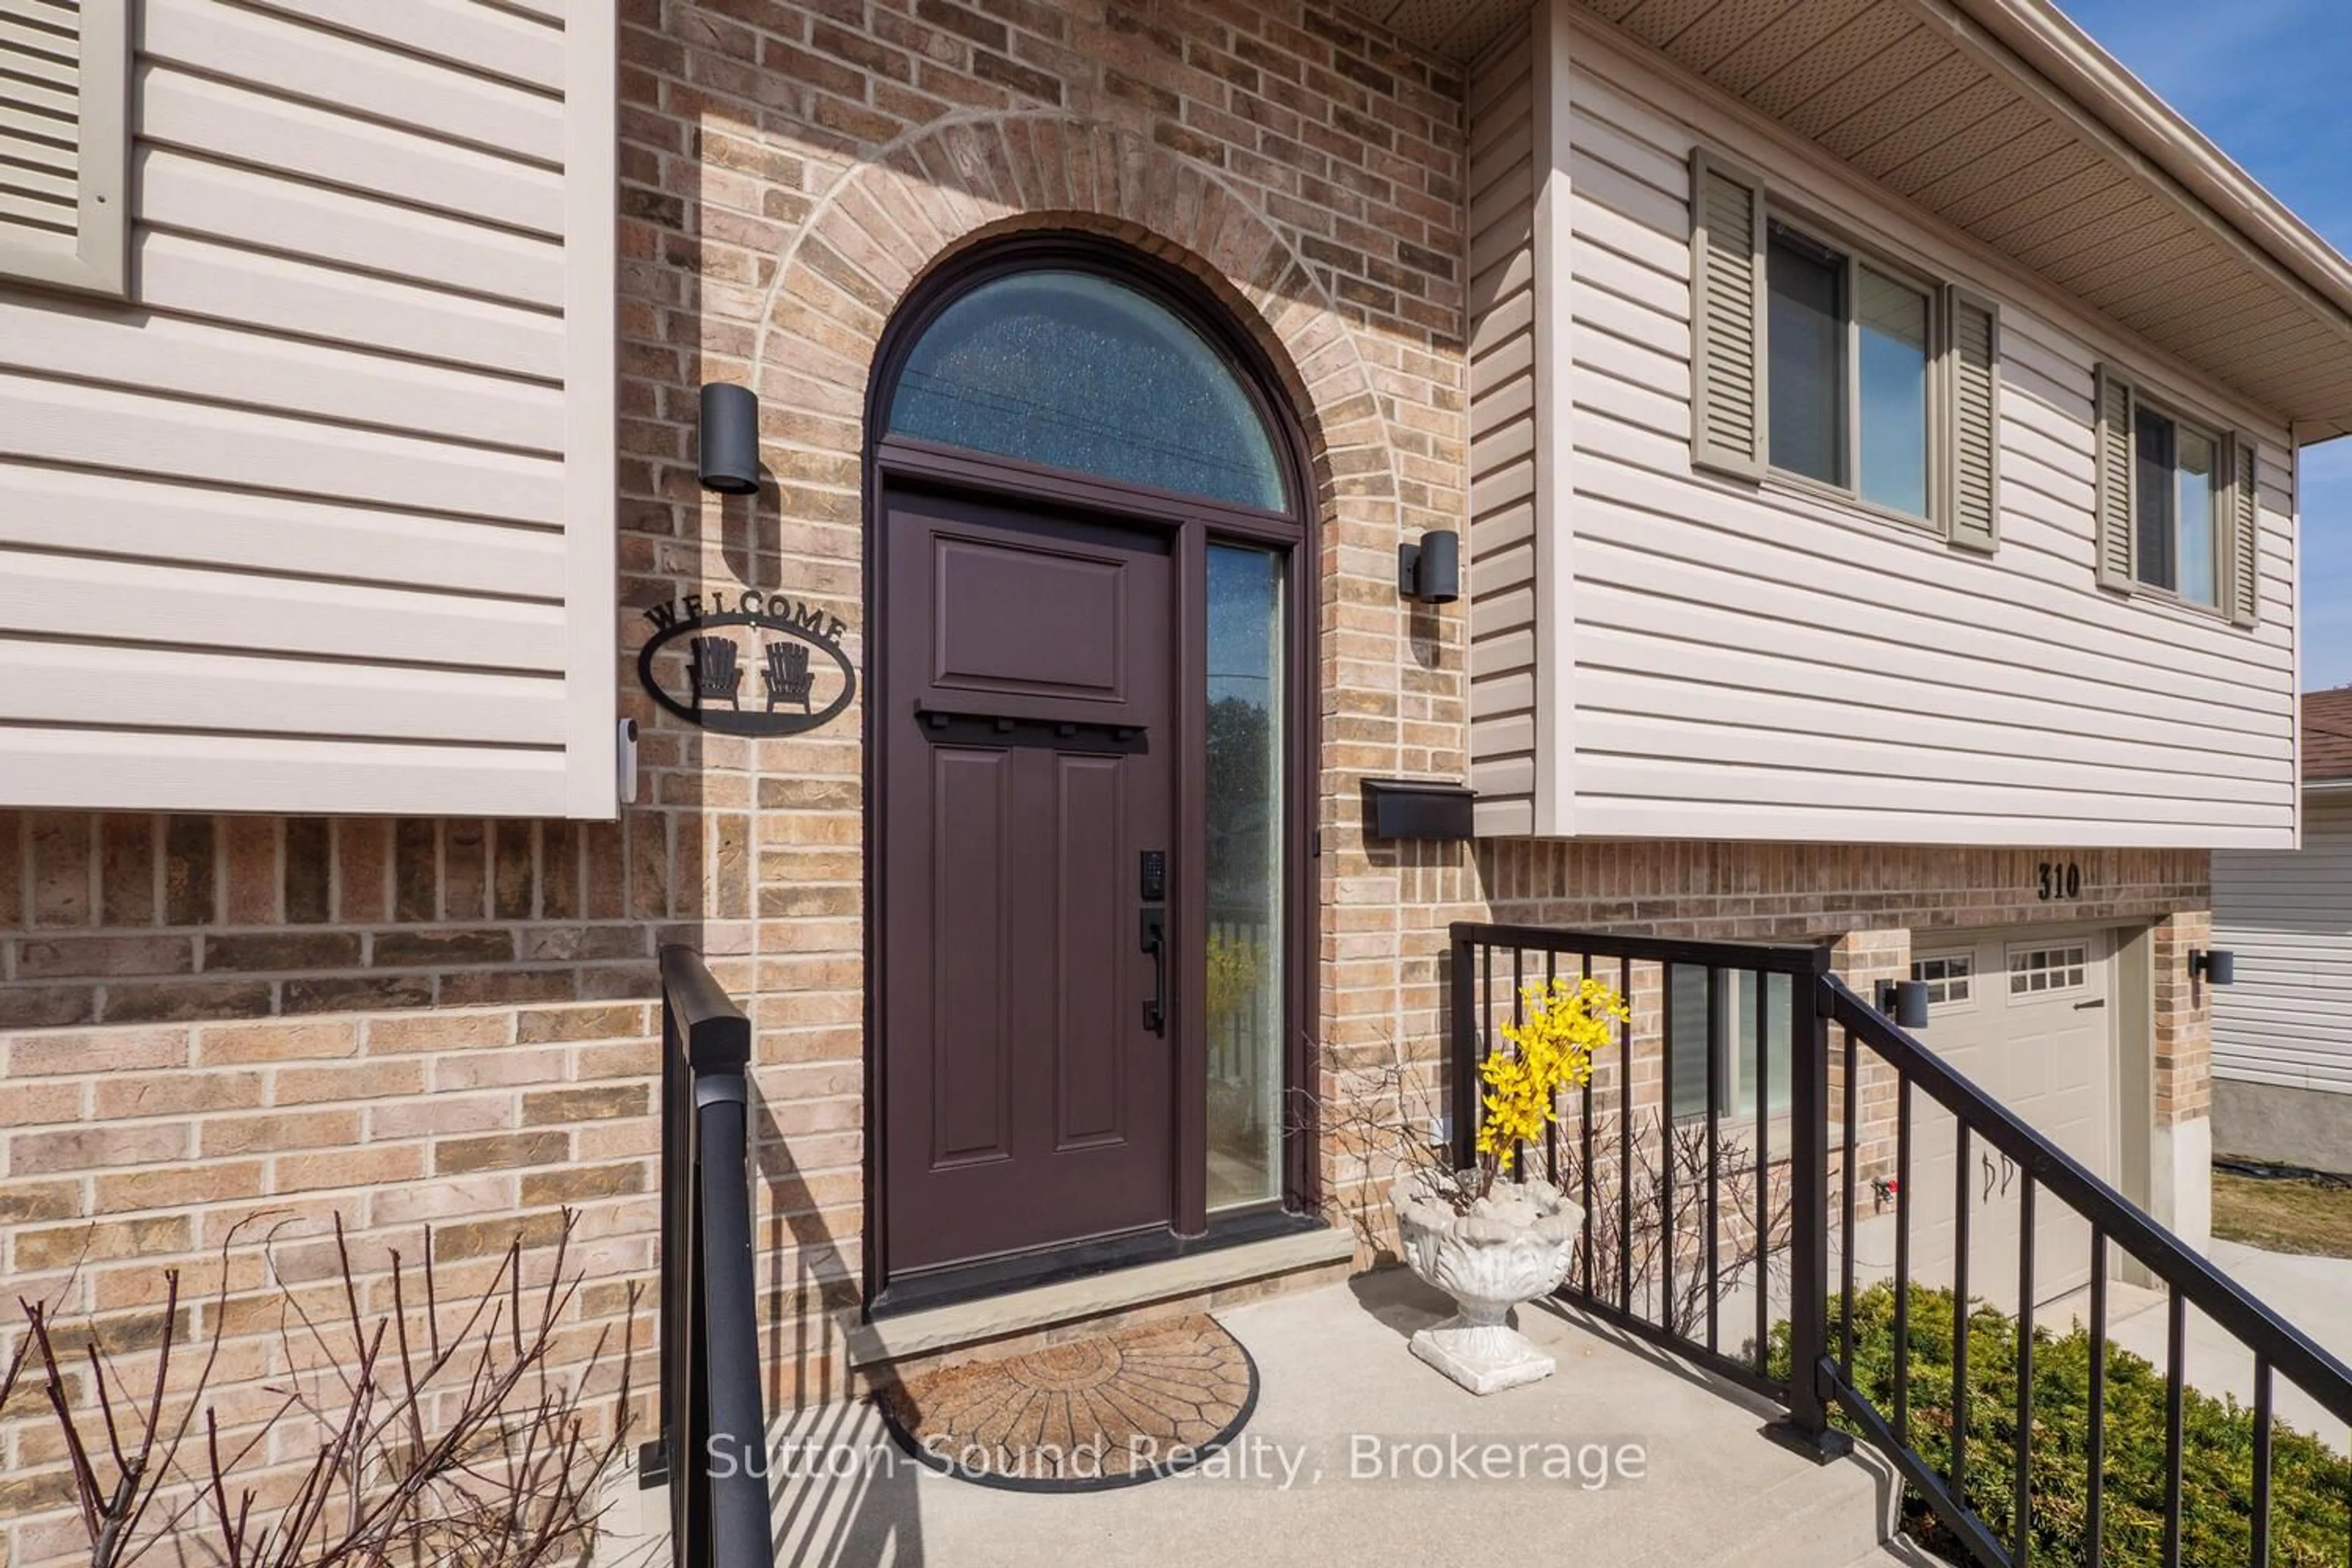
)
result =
(2037, 36)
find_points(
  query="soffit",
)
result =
(1938, 111)
(1937, 103)
(1457, 30)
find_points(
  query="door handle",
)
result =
(1155, 942)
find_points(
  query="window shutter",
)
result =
(1972, 504)
(2113, 413)
(2243, 553)
(64, 71)
(1727, 409)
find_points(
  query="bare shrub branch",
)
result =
(481, 1453)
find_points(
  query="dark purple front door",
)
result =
(1027, 749)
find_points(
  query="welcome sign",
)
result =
(747, 662)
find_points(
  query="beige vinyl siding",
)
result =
(323, 520)
(2287, 915)
(1755, 661)
(1503, 432)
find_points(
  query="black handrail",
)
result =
(2289, 1351)
(1675, 1234)
(713, 1447)
(2279, 1349)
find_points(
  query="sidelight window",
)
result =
(1243, 834)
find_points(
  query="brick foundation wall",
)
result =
(122, 918)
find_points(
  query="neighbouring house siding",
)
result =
(1758, 662)
(2287, 915)
(321, 520)
(1505, 421)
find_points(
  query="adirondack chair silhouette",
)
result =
(712, 672)
(787, 674)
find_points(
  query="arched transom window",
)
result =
(1073, 370)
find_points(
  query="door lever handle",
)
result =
(1155, 942)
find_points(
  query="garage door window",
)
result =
(2033, 970)
(1950, 977)
(1743, 1061)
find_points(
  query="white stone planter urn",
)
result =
(1512, 1246)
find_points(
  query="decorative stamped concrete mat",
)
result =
(1121, 1408)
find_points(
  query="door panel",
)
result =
(1092, 929)
(1027, 743)
(1024, 619)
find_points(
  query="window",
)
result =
(1850, 361)
(1949, 977)
(1815, 362)
(1076, 371)
(1741, 1059)
(64, 149)
(2033, 970)
(2178, 508)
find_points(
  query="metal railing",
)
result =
(2185, 1279)
(1686, 1181)
(713, 1447)
(1652, 1160)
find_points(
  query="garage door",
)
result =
(2028, 1016)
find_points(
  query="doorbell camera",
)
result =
(625, 759)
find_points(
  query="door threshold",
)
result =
(1206, 1267)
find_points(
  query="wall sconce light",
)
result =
(1430, 573)
(1905, 1001)
(729, 445)
(2215, 967)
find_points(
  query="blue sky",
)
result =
(2266, 81)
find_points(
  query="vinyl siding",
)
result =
(322, 521)
(1764, 662)
(1503, 427)
(2287, 915)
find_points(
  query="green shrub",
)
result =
(2311, 1487)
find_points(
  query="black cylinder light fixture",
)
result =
(1905, 1001)
(1430, 573)
(729, 445)
(2215, 966)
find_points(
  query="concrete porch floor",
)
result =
(1298, 1487)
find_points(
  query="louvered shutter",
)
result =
(2242, 554)
(1972, 499)
(64, 162)
(1727, 409)
(2113, 398)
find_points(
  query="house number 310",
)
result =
(2059, 879)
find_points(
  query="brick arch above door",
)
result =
(887, 221)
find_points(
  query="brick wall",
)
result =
(131, 1150)
(124, 917)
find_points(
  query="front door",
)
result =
(1027, 1063)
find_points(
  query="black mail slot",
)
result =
(1417, 808)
